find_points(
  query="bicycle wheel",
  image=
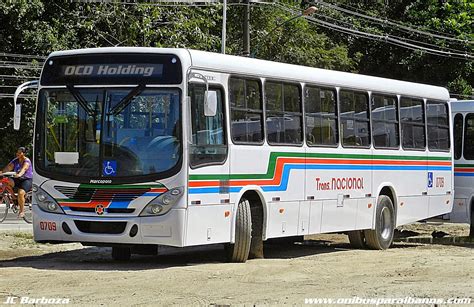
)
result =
(4, 205)
(28, 208)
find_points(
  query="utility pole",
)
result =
(245, 29)
(224, 26)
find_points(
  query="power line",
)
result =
(384, 38)
(20, 63)
(17, 77)
(398, 37)
(387, 22)
(26, 56)
(359, 10)
(19, 66)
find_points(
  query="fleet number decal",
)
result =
(346, 183)
(47, 226)
(440, 182)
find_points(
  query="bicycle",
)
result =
(8, 200)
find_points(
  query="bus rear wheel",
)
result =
(357, 239)
(382, 236)
(121, 253)
(239, 251)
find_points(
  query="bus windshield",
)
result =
(122, 132)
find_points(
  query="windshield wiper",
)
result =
(122, 104)
(80, 99)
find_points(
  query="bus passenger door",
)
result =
(209, 218)
(439, 158)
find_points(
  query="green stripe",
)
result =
(274, 155)
(463, 165)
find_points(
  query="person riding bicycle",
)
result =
(23, 179)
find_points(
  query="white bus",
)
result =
(463, 128)
(139, 147)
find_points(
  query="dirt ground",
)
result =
(323, 266)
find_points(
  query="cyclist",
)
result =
(23, 179)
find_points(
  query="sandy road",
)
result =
(324, 267)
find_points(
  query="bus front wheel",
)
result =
(121, 253)
(382, 236)
(357, 239)
(239, 251)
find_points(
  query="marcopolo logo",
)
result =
(112, 70)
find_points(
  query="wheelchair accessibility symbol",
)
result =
(109, 168)
(430, 179)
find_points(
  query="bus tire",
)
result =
(382, 236)
(121, 253)
(239, 251)
(357, 239)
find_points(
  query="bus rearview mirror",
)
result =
(16, 105)
(17, 116)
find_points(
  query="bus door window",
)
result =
(208, 139)
(458, 125)
(438, 125)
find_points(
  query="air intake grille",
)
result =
(101, 227)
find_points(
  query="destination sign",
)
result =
(144, 70)
(110, 69)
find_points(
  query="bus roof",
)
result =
(262, 68)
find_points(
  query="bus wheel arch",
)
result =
(389, 191)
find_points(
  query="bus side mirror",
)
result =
(17, 106)
(210, 103)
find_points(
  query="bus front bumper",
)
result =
(167, 229)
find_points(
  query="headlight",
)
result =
(46, 202)
(163, 203)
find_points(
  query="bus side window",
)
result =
(458, 118)
(284, 116)
(354, 119)
(246, 111)
(385, 121)
(412, 119)
(320, 116)
(208, 141)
